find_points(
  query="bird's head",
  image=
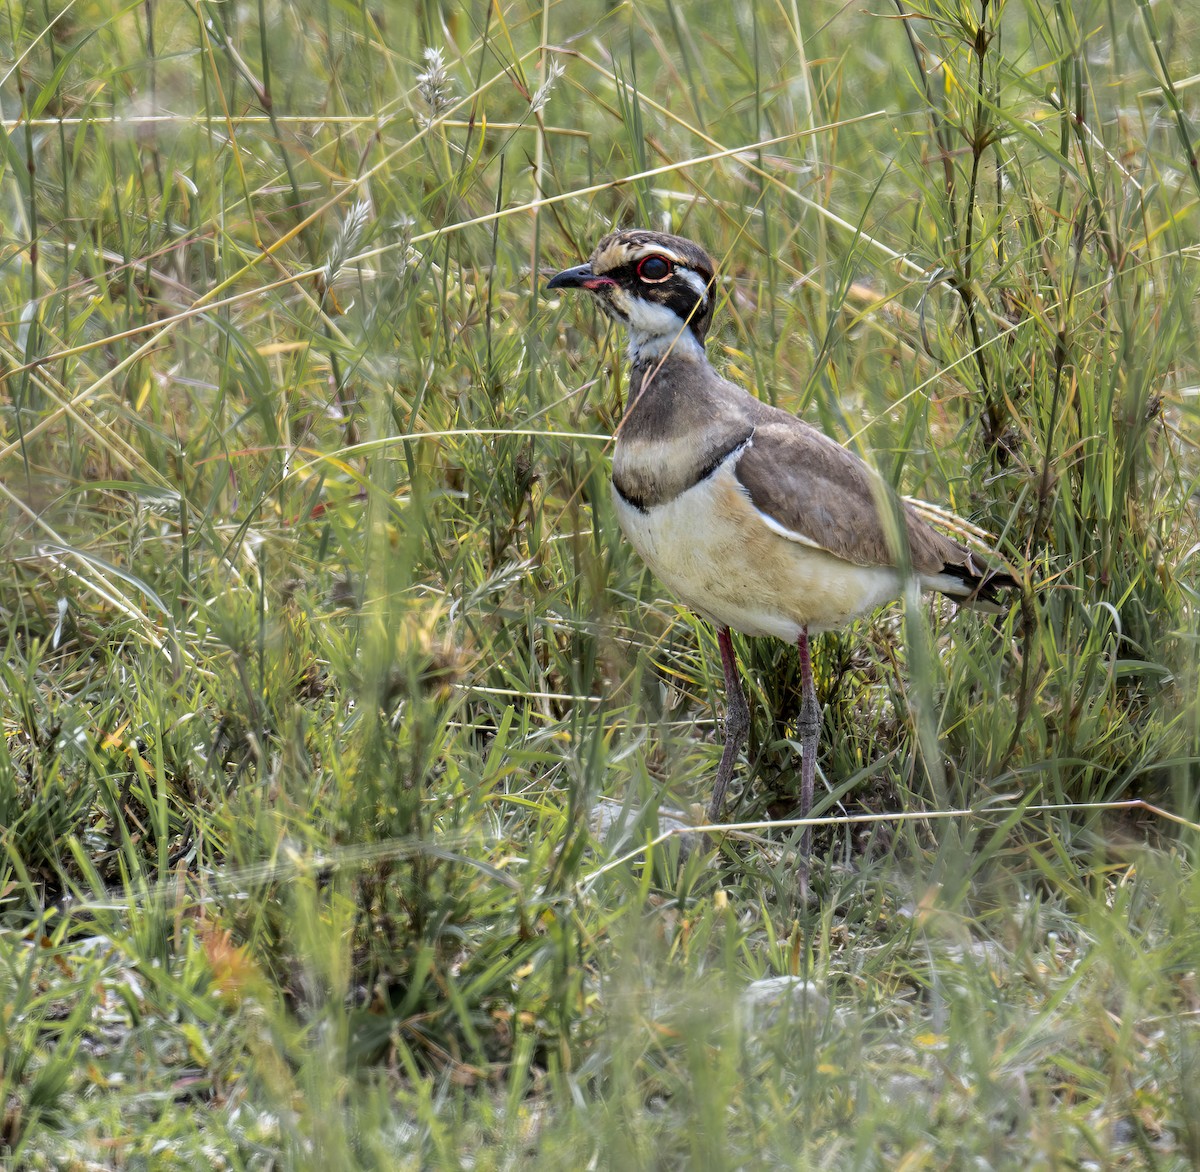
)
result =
(660, 287)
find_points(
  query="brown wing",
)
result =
(817, 493)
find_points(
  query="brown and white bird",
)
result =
(755, 520)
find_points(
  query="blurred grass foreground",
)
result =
(348, 753)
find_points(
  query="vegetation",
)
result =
(340, 725)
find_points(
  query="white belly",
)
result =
(711, 548)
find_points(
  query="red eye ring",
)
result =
(653, 262)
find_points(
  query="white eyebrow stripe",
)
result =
(656, 250)
(696, 281)
(620, 254)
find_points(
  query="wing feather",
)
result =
(811, 490)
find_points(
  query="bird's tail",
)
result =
(974, 584)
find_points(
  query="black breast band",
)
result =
(706, 470)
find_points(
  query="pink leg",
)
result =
(809, 729)
(737, 723)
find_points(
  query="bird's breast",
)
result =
(713, 549)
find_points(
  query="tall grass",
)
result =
(347, 748)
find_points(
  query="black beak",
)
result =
(576, 278)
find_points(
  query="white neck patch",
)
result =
(681, 345)
(655, 331)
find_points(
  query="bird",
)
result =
(753, 519)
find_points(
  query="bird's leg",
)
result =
(809, 727)
(737, 723)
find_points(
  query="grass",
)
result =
(323, 656)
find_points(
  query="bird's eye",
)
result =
(654, 268)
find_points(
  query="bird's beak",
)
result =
(580, 277)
